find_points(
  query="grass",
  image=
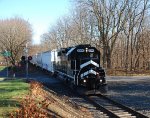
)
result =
(1, 79)
(10, 92)
(2, 68)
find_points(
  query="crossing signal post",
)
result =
(25, 59)
(29, 58)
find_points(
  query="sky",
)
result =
(41, 14)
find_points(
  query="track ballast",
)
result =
(111, 107)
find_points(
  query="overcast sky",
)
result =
(41, 14)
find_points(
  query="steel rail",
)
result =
(119, 105)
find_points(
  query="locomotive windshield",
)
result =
(88, 55)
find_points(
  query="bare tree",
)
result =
(110, 17)
(115, 27)
(132, 29)
(48, 42)
(14, 34)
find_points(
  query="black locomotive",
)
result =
(80, 65)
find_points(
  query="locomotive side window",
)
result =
(72, 64)
(87, 55)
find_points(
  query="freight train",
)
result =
(78, 65)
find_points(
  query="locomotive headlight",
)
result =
(86, 49)
(100, 80)
(84, 80)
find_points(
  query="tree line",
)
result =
(118, 28)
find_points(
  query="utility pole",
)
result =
(6, 57)
(26, 51)
(7, 65)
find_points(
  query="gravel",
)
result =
(131, 91)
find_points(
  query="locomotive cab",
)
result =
(86, 65)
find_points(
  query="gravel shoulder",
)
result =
(131, 91)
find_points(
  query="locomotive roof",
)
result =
(84, 45)
(71, 49)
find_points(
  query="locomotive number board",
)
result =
(85, 50)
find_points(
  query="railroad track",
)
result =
(107, 107)
(111, 108)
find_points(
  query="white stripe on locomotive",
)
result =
(88, 72)
(89, 62)
(70, 51)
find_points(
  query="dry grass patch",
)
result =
(123, 72)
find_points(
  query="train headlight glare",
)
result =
(86, 49)
(84, 80)
(100, 80)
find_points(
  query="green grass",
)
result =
(2, 68)
(1, 79)
(10, 92)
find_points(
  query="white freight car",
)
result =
(45, 60)
(39, 59)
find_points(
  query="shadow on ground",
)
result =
(3, 73)
(19, 72)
